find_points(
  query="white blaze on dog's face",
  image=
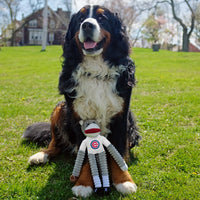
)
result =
(90, 33)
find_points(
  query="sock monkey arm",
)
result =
(78, 163)
(117, 157)
(79, 159)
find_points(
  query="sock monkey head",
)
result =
(90, 128)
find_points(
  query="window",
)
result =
(33, 23)
(51, 37)
(52, 24)
(35, 36)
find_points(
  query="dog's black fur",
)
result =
(66, 128)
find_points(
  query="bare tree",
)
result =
(127, 13)
(35, 4)
(13, 7)
(197, 24)
(188, 6)
(68, 4)
(45, 26)
(187, 30)
(75, 4)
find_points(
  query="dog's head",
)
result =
(95, 30)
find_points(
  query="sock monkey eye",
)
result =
(87, 124)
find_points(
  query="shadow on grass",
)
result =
(31, 145)
(133, 159)
(58, 186)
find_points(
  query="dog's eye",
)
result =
(81, 19)
(101, 17)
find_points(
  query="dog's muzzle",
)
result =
(88, 29)
(90, 36)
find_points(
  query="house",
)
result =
(57, 26)
(194, 47)
(30, 30)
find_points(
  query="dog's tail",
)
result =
(39, 133)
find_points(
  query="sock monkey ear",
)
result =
(81, 122)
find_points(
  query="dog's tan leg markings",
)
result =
(122, 179)
(52, 150)
(84, 185)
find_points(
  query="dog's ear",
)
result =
(70, 33)
(71, 52)
(119, 44)
(72, 57)
(120, 30)
(120, 35)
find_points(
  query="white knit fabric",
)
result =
(106, 182)
(97, 181)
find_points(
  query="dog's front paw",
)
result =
(126, 187)
(82, 191)
(38, 158)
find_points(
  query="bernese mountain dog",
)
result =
(96, 80)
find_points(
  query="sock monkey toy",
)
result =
(94, 143)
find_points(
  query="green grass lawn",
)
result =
(166, 103)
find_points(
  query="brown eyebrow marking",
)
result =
(100, 11)
(83, 10)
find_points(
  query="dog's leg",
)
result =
(38, 158)
(122, 179)
(44, 156)
(84, 184)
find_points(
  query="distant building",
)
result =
(194, 47)
(30, 29)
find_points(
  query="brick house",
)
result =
(30, 32)
(194, 47)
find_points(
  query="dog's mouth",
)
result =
(91, 46)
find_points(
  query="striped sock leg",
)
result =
(97, 181)
(106, 182)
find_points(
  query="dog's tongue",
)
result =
(89, 45)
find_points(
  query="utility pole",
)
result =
(45, 25)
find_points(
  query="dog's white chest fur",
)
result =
(96, 95)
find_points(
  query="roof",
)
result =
(60, 14)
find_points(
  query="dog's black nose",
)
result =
(87, 26)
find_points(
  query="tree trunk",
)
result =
(12, 38)
(185, 41)
(186, 34)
